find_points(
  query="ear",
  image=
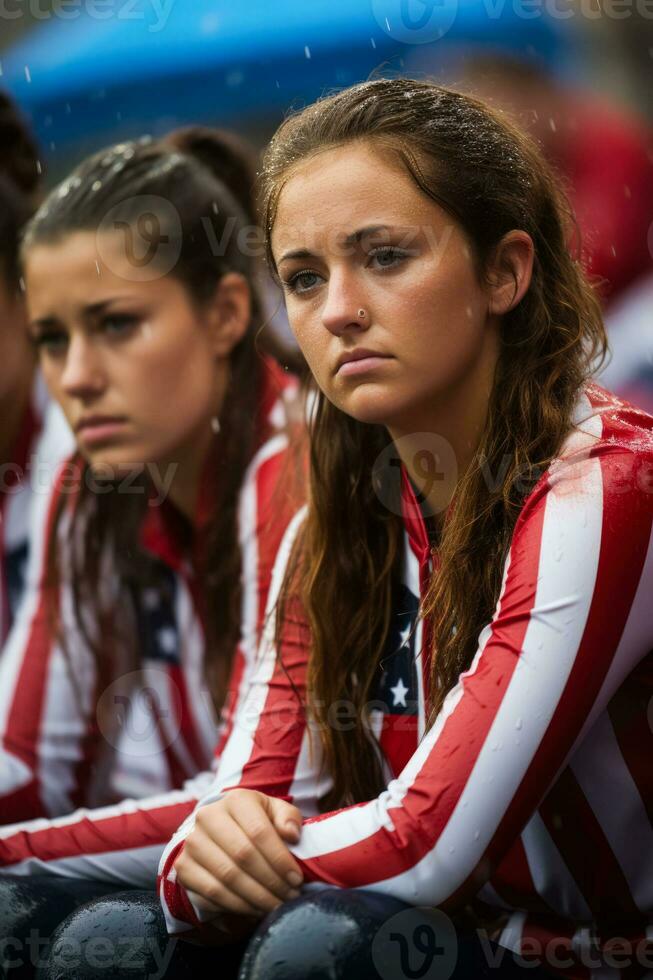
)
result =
(510, 271)
(229, 312)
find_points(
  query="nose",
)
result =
(343, 306)
(83, 375)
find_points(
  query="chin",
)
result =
(115, 465)
(370, 406)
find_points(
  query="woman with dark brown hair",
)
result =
(452, 746)
(34, 437)
(156, 541)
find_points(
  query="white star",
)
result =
(399, 692)
(167, 638)
(403, 636)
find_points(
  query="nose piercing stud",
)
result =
(361, 314)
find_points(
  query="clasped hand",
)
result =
(236, 859)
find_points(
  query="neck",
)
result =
(185, 472)
(183, 475)
(440, 439)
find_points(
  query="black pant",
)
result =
(328, 935)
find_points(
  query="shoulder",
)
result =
(605, 463)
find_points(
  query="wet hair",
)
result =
(20, 182)
(189, 189)
(490, 178)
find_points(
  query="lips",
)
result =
(359, 354)
(96, 421)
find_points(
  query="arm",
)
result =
(570, 625)
(268, 748)
(42, 720)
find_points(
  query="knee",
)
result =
(324, 935)
(116, 936)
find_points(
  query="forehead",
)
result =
(339, 190)
(78, 269)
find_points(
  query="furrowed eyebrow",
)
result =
(352, 239)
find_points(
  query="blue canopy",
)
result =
(104, 69)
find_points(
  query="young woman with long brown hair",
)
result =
(34, 436)
(457, 717)
(156, 543)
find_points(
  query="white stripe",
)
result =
(556, 625)
(617, 804)
(512, 935)
(635, 642)
(239, 747)
(192, 643)
(134, 867)
(551, 877)
(411, 581)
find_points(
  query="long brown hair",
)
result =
(205, 178)
(491, 178)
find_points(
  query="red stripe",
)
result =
(24, 717)
(513, 881)
(177, 683)
(122, 832)
(446, 771)
(555, 942)
(631, 713)
(230, 706)
(278, 738)
(594, 867)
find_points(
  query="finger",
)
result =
(245, 855)
(197, 879)
(256, 823)
(219, 864)
(286, 818)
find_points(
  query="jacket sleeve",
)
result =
(571, 623)
(268, 747)
(44, 715)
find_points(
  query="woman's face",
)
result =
(132, 364)
(354, 233)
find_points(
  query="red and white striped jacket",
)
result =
(55, 754)
(42, 442)
(531, 795)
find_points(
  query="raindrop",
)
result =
(21, 283)
(39, 168)
(518, 724)
(477, 835)
(387, 24)
(373, 43)
(552, 125)
(557, 555)
(1, 71)
(307, 51)
(97, 267)
(27, 74)
(452, 850)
